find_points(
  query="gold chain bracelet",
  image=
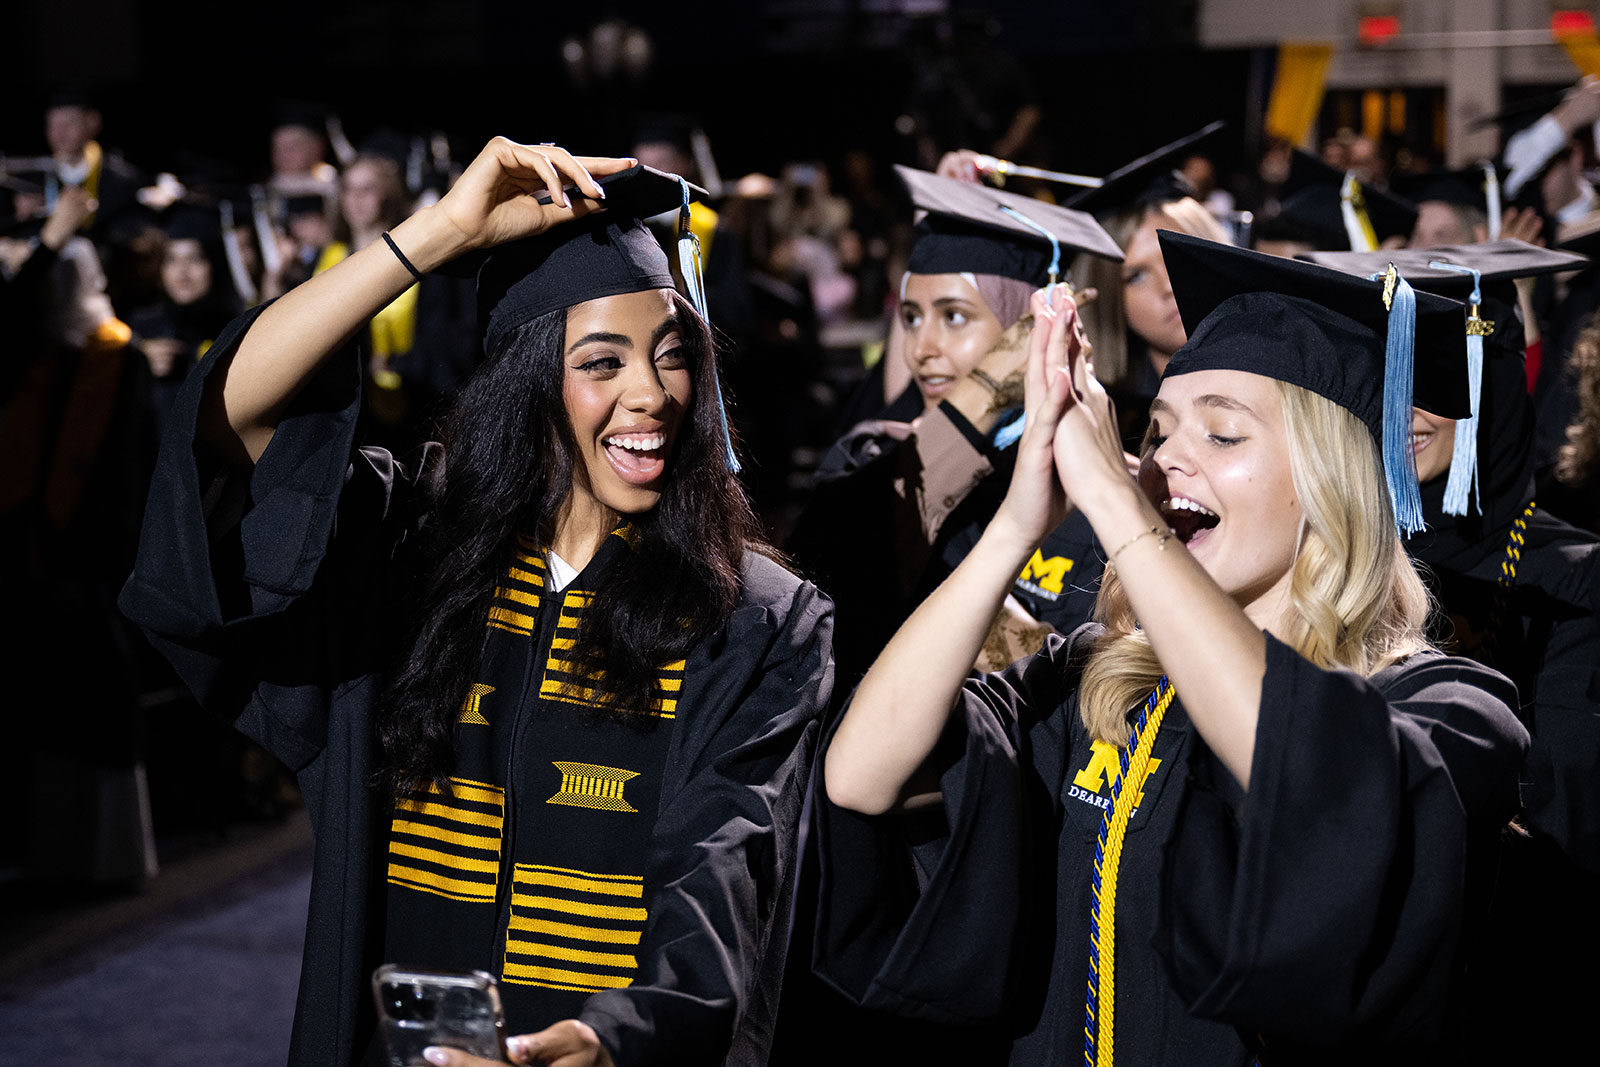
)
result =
(1160, 544)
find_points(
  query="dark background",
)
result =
(773, 80)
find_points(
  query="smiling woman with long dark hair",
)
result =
(551, 702)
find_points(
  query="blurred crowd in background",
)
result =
(121, 264)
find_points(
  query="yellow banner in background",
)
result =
(1297, 90)
(1583, 48)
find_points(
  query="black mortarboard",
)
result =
(671, 129)
(1312, 201)
(305, 204)
(303, 113)
(1328, 332)
(1463, 188)
(1151, 179)
(71, 96)
(1460, 271)
(193, 224)
(1582, 236)
(604, 254)
(989, 231)
(1495, 261)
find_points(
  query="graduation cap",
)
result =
(303, 113)
(1352, 340)
(1460, 272)
(989, 231)
(71, 96)
(1334, 210)
(1582, 236)
(1447, 269)
(1462, 188)
(608, 253)
(30, 177)
(1151, 179)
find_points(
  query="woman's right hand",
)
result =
(1036, 504)
(495, 199)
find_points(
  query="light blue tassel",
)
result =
(694, 280)
(1055, 245)
(1464, 460)
(1007, 435)
(1399, 464)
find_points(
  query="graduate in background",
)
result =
(1517, 589)
(198, 300)
(1133, 323)
(551, 707)
(1247, 815)
(896, 504)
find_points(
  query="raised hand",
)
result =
(496, 198)
(1523, 224)
(1087, 446)
(1035, 504)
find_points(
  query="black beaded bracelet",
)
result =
(401, 256)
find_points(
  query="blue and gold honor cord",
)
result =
(1100, 1007)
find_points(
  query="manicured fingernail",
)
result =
(517, 1046)
(436, 1055)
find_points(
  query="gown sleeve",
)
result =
(867, 535)
(934, 931)
(1326, 905)
(227, 561)
(726, 845)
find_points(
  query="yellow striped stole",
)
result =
(589, 785)
(448, 843)
(567, 681)
(572, 929)
(516, 599)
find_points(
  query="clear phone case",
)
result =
(452, 1009)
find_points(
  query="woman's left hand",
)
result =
(568, 1043)
(1089, 459)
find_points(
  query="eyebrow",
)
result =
(1210, 400)
(668, 324)
(618, 339)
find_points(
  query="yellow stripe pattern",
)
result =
(589, 785)
(448, 843)
(567, 681)
(471, 710)
(573, 929)
(517, 598)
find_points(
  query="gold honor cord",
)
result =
(1514, 543)
(1100, 1007)
(1507, 580)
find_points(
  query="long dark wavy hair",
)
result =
(509, 459)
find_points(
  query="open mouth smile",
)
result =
(638, 458)
(1191, 521)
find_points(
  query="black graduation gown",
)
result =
(1544, 635)
(268, 595)
(1322, 910)
(861, 536)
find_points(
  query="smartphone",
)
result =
(452, 1009)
